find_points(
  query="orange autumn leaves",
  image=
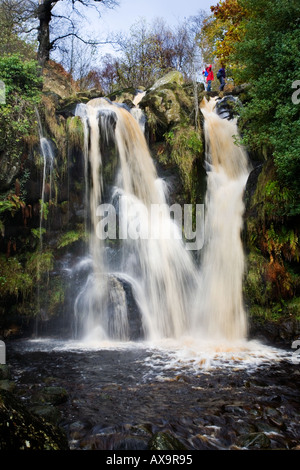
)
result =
(224, 28)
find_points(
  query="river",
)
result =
(208, 397)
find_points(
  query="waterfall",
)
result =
(220, 311)
(151, 256)
(48, 161)
(132, 244)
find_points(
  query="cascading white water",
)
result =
(220, 310)
(161, 272)
(48, 162)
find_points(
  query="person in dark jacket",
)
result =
(221, 75)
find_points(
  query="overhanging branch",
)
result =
(85, 41)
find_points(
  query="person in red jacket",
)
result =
(210, 77)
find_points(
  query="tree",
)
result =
(269, 60)
(22, 87)
(73, 9)
(12, 22)
(53, 20)
(151, 50)
(222, 30)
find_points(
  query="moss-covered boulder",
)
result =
(166, 103)
(256, 440)
(175, 136)
(21, 430)
(51, 396)
(173, 77)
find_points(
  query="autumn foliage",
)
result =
(224, 28)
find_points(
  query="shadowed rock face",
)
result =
(21, 430)
(225, 107)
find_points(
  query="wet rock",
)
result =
(131, 443)
(242, 428)
(51, 396)
(21, 430)
(256, 440)
(165, 441)
(201, 442)
(7, 385)
(48, 412)
(10, 168)
(165, 104)
(4, 372)
(114, 441)
(274, 417)
(226, 107)
(173, 77)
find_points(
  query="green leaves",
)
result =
(17, 114)
(20, 76)
(269, 59)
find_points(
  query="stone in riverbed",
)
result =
(49, 412)
(7, 385)
(255, 440)
(51, 396)
(165, 441)
(4, 372)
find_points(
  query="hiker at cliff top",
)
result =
(221, 75)
(208, 73)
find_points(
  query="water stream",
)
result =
(152, 256)
(191, 370)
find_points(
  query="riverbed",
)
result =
(207, 396)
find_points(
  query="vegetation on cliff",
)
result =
(257, 41)
(263, 53)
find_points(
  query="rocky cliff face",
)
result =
(272, 283)
(34, 284)
(34, 252)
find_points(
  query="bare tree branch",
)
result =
(75, 35)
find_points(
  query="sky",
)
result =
(122, 17)
(173, 11)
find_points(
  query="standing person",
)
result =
(221, 75)
(210, 77)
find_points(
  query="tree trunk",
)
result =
(44, 15)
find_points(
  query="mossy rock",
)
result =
(21, 430)
(120, 96)
(165, 441)
(167, 103)
(7, 385)
(51, 396)
(256, 440)
(4, 372)
(48, 412)
(173, 77)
